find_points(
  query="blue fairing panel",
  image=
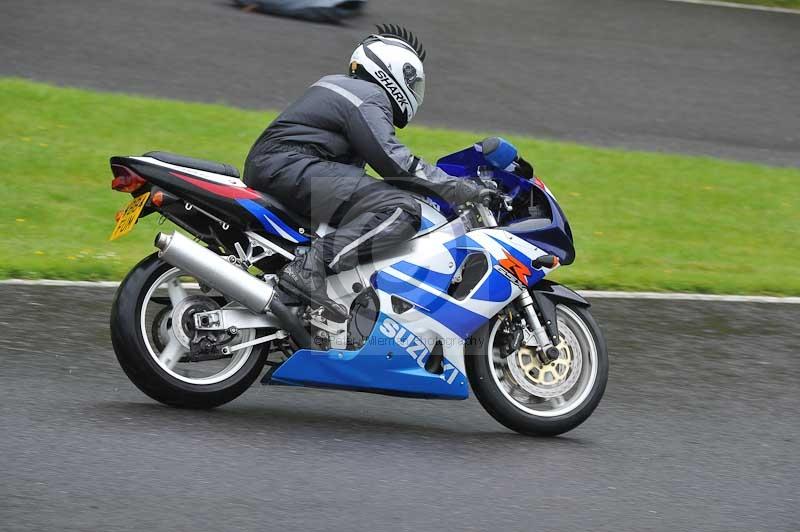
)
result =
(392, 361)
(440, 281)
(555, 237)
(463, 322)
(271, 222)
(495, 288)
(425, 224)
(465, 163)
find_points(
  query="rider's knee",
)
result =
(411, 214)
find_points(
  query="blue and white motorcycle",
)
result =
(464, 304)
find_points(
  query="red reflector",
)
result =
(539, 183)
(125, 179)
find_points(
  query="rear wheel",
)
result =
(152, 331)
(536, 398)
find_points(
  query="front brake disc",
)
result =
(552, 379)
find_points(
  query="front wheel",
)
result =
(532, 397)
(152, 331)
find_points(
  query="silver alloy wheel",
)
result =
(169, 357)
(576, 370)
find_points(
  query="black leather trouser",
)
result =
(369, 214)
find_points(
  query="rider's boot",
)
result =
(304, 277)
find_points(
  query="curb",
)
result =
(751, 7)
(590, 294)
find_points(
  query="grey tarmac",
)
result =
(698, 431)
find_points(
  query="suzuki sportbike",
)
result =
(462, 305)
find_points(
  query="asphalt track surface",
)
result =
(642, 74)
(698, 431)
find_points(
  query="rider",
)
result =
(313, 157)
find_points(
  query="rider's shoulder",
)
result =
(362, 90)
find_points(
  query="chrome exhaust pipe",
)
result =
(215, 271)
(230, 280)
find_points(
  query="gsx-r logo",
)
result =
(415, 348)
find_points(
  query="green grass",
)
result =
(791, 4)
(642, 221)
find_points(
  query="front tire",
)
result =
(537, 399)
(138, 352)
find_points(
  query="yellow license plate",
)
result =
(126, 218)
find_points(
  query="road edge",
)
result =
(752, 7)
(590, 294)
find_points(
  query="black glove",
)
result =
(460, 191)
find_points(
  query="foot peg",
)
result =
(304, 278)
(331, 311)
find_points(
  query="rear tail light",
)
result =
(125, 179)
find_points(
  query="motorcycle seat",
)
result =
(197, 164)
(283, 211)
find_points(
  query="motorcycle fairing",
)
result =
(465, 163)
(272, 223)
(392, 360)
(431, 219)
(225, 197)
(553, 235)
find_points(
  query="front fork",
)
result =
(546, 335)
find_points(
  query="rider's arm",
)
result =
(372, 135)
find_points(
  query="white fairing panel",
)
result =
(432, 219)
(422, 270)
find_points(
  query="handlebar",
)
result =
(484, 206)
(488, 197)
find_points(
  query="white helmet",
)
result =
(393, 58)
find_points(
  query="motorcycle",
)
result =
(463, 304)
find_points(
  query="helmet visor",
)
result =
(414, 81)
(417, 86)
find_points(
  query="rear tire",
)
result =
(128, 339)
(532, 415)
